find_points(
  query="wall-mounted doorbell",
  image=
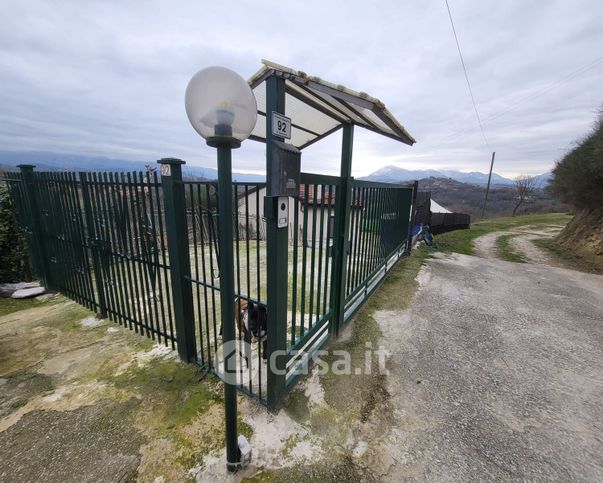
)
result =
(284, 179)
(282, 212)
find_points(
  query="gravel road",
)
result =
(521, 243)
(496, 373)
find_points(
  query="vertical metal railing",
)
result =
(112, 242)
(249, 248)
(311, 269)
(378, 237)
(103, 242)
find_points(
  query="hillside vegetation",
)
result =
(469, 198)
(578, 180)
(14, 262)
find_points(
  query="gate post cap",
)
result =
(171, 161)
(26, 166)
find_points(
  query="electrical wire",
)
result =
(519, 102)
(551, 86)
(481, 127)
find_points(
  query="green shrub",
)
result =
(14, 261)
(578, 177)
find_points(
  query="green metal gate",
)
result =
(379, 218)
(144, 252)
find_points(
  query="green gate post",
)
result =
(277, 260)
(39, 249)
(411, 222)
(342, 227)
(93, 242)
(178, 250)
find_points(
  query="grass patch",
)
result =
(461, 241)
(568, 258)
(504, 250)
(174, 389)
(400, 285)
(8, 305)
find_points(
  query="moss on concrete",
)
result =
(179, 412)
(352, 402)
(296, 405)
(342, 470)
(9, 305)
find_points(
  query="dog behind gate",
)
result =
(252, 322)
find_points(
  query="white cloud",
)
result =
(108, 78)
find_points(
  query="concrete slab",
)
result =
(26, 293)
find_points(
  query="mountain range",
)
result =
(393, 174)
(48, 161)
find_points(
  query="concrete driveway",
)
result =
(496, 374)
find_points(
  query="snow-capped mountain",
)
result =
(393, 174)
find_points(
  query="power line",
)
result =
(551, 86)
(481, 127)
(520, 101)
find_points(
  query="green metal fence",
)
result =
(144, 251)
(379, 236)
(379, 220)
(249, 248)
(99, 238)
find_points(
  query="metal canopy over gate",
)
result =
(319, 108)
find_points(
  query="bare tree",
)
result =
(525, 186)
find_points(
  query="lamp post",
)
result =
(222, 109)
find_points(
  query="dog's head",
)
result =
(258, 320)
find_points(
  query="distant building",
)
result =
(323, 204)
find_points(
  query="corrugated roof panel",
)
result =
(317, 107)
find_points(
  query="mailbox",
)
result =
(285, 175)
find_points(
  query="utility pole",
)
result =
(488, 186)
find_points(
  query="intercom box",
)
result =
(285, 174)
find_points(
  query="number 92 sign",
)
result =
(281, 125)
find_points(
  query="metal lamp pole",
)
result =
(222, 108)
(224, 146)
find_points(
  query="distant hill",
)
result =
(469, 198)
(543, 180)
(48, 161)
(393, 174)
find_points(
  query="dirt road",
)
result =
(496, 374)
(521, 243)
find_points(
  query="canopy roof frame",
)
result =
(332, 101)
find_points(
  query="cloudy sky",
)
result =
(108, 78)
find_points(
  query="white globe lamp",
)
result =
(221, 106)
